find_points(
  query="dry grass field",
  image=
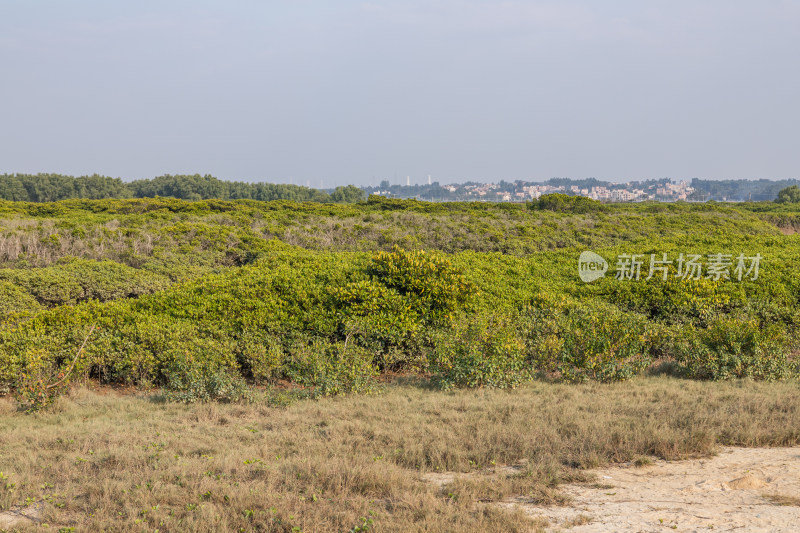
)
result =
(105, 461)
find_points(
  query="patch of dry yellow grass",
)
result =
(131, 463)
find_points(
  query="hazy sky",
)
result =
(351, 92)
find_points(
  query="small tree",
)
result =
(348, 195)
(789, 195)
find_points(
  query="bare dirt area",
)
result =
(17, 517)
(741, 489)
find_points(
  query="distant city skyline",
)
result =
(356, 91)
(423, 180)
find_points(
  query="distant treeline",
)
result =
(55, 187)
(739, 190)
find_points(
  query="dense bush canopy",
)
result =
(198, 296)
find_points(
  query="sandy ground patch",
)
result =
(740, 489)
(17, 517)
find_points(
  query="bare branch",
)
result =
(75, 360)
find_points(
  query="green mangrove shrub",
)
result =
(579, 342)
(733, 348)
(483, 351)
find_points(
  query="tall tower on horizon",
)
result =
(408, 181)
(429, 179)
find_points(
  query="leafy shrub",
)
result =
(14, 299)
(374, 311)
(79, 280)
(39, 384)
(331, 368)
(674, 300)
(580, 342)
(733, 348)
(436, 289)
(140, 348)
(404, 295)
(263, 356)
(42, 381)
(482, 352)
(189, 380)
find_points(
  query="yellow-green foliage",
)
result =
(15, 299)
(483, 296)
(435, 287)
(486, 351)
(733, 348)
(77, 280)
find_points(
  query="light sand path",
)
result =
(729, 492)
